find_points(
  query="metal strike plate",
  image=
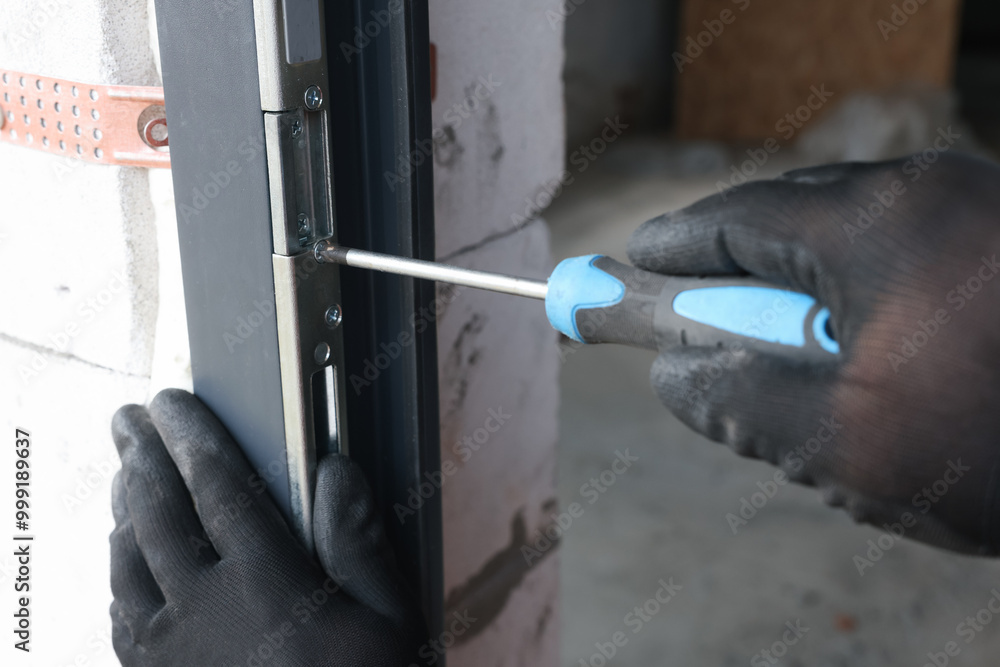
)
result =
(299, 171)
(291, 44)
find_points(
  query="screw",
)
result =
(303, 224)
(296, 128)
(314, 98)
(334, 316)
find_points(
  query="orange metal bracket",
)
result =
(123, 125)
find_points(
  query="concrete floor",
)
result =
(665, 516)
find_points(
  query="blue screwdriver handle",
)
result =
(594, 299)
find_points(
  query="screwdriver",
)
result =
(595, 299)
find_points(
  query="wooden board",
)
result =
(758, 60)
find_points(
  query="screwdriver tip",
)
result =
(325, 251)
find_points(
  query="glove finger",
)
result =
(765, 407)
(122, 639)
(166, 527)
(230, 499)
(351, 541)
(778, 230)
(733, 232)
(762, 406)
(136, 592)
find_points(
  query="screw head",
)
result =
(334, 316)
(303, 224)
(314, 98)
(296, 128)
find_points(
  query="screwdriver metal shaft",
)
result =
(443, 273)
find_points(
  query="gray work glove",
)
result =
(902, 428)
(205, 571)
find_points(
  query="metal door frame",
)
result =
(378, 108)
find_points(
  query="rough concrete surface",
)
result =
(498, 153)
(498, 116)
(67, 409)
(499, 407)
(665, 517)
(87, 255)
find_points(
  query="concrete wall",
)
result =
(84, 252)
(93, 316)
(500, 154)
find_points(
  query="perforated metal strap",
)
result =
(123, 125)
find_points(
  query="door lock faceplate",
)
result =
(294, 96)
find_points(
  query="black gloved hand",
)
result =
(205, 571)
(902, 429)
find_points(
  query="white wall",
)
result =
(85, 253)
